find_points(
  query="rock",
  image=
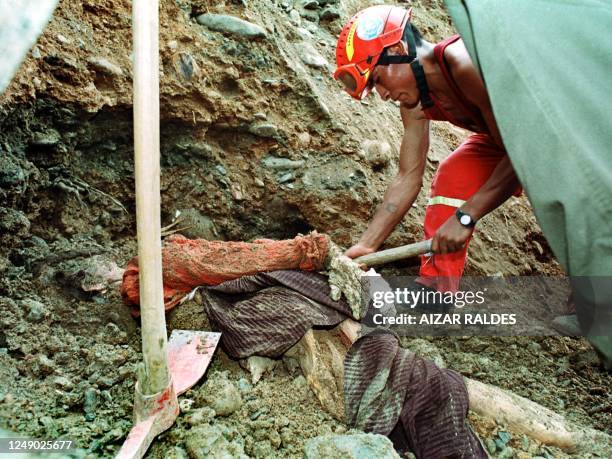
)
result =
(42, 365)
(90, 402)
(294, 18)
(310, 15)
(263, 129)
(201, 416)
(286, 178)
(63, 40)
(214, 441)
(258, 366)
(103, 65)
(37, 311)
(225, 398)
(259, 182)
(63, 383)
(260, 116)
(231, 24)
(377, 153)
(490, 445)
(47, 138)
(355, 446)
(220, 169)
(273, 162)
(329, 13)
(310, 56)
(186, 65)
(304, 139)
(197, 225)
(309, 4)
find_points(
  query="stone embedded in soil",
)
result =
(350, 446)
(272, 162)
(263, 129)
(294, 18)
(201, 416)
(63, 383)
(377, 153)
(310, 56)
(90, 402)
(309, 4)
(197, 225)
(103, 65)
(211, 441)
(48, 138)
(258, 366)
(37, 311)
(42, 365)
(224, 397)
(186, 65)
(231, 24)
(329, 13)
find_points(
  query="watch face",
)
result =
(465, 220)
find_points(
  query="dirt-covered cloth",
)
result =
(387, 389)
(268, 313)
(391, 391)
(190, 263)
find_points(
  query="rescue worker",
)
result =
(380, 49)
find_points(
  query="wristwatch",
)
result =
(465, 219)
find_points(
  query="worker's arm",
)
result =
(502, 183)
(404, 188)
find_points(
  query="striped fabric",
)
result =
(387, 389)
(390, 391)
(268, 313)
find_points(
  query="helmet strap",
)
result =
(415, 65)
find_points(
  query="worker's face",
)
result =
(396, 81)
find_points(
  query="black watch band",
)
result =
(465, 219)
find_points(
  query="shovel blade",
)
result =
(189, 354)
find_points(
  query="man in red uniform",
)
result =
(379, 48)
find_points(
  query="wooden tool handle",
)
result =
(145, 18)
(395, 254)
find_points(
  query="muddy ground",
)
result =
(257, 141)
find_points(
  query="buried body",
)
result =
(262, 298)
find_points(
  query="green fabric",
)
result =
(547, 66)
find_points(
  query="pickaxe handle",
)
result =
(395, 254)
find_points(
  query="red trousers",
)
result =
(458, 177)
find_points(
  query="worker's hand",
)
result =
(358, 250)
(450, 237)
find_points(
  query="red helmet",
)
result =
(362, 41)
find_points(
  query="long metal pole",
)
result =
(145, 17)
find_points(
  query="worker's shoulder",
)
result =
(464, 72)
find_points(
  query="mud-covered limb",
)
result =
(524, 416)
(518, 413)
(345, 278)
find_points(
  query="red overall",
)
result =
(458, 177)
